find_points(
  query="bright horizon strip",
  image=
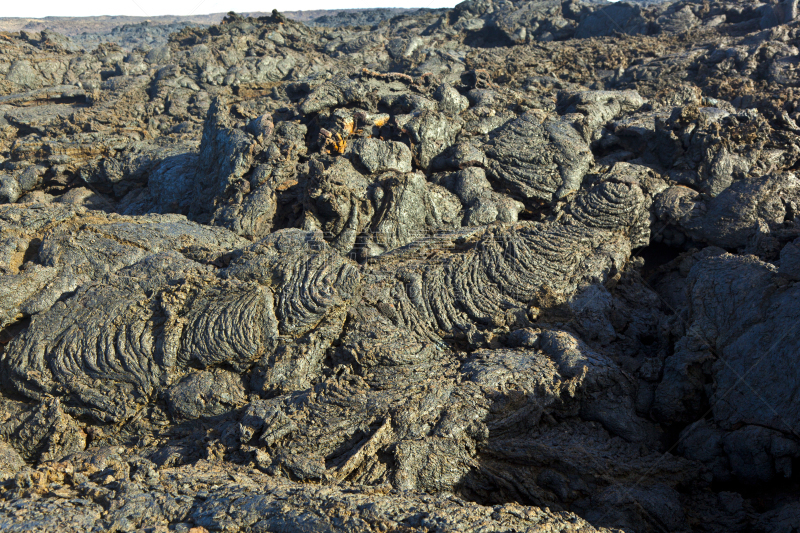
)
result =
(156, 8)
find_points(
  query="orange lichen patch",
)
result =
(335, 143)
(288, 184)
(348, 125)
(340, 146)
(381, 120)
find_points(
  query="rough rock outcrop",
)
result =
(511, 266)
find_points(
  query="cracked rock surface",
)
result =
(511, 266)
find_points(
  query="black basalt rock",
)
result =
(511, 266)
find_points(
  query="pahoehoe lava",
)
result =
(511, 266)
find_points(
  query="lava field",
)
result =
(511, 266)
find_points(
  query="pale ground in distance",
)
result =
(186, 8)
